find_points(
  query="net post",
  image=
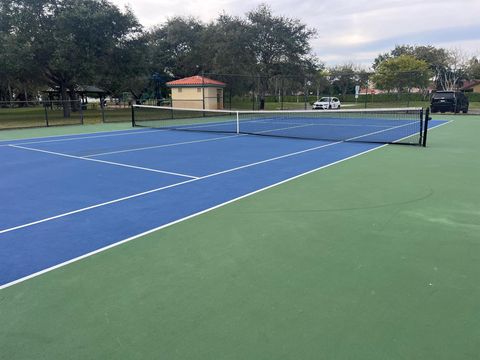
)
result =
(238, 122)
(425, 127)
(133, 115)
(420, 137)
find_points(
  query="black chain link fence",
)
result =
(24, 114)
(240, 92)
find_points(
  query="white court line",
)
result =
(176, 221)
(164, 145)
(384, 130)
(272, 159)
(94, 206)
(193, 141)
(104, 162)
(193, 126)
(65, 135)
(38, 273)
(163, 187)
(328, 124)
(136, 132)
(170, 186)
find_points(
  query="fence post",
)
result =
(366, 95)
(281, 93)
(46, 115)
(305, 94)
(81, 112)
(253, 94)
(102, 108)
(203, 92)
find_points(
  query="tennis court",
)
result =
(187, 286)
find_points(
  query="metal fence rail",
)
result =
(24, 114)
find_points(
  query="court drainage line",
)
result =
(104, 162)
(41, 272)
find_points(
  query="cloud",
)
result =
(348, 31)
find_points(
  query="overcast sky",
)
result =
(348, 30)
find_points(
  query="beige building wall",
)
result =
(192, 97)
(187, 97)
(213, 98)
(476, 88)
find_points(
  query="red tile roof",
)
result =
(195, 80)
(469, 84)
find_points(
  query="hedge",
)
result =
(402, 97)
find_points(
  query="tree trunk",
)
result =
(262, 91)
(74, 100)
(9, 93)
(64, 100)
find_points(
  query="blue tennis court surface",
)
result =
(68, 196)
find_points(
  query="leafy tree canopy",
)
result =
(402, 73)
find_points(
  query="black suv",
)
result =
(453, 101)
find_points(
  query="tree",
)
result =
(178, 47)
(69, 41)
(448, 78)
(129, 68)
(19, 72)
(229, 41)
(436, 58)
(402, 73)
(258, 49)
(64, 43)
(280, 45)
(343, 78)
(473, 68)
(447, 66)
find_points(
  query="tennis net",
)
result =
(402, 126)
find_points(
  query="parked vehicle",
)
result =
(326, 103)
(452, 101)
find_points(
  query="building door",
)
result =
(219, 99)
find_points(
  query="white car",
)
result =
(326, 103)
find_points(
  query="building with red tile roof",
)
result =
(195, 81)
(471, 86)
(197, 92)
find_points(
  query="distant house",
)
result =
(197, 92)
(372, 90)
(471, 86)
